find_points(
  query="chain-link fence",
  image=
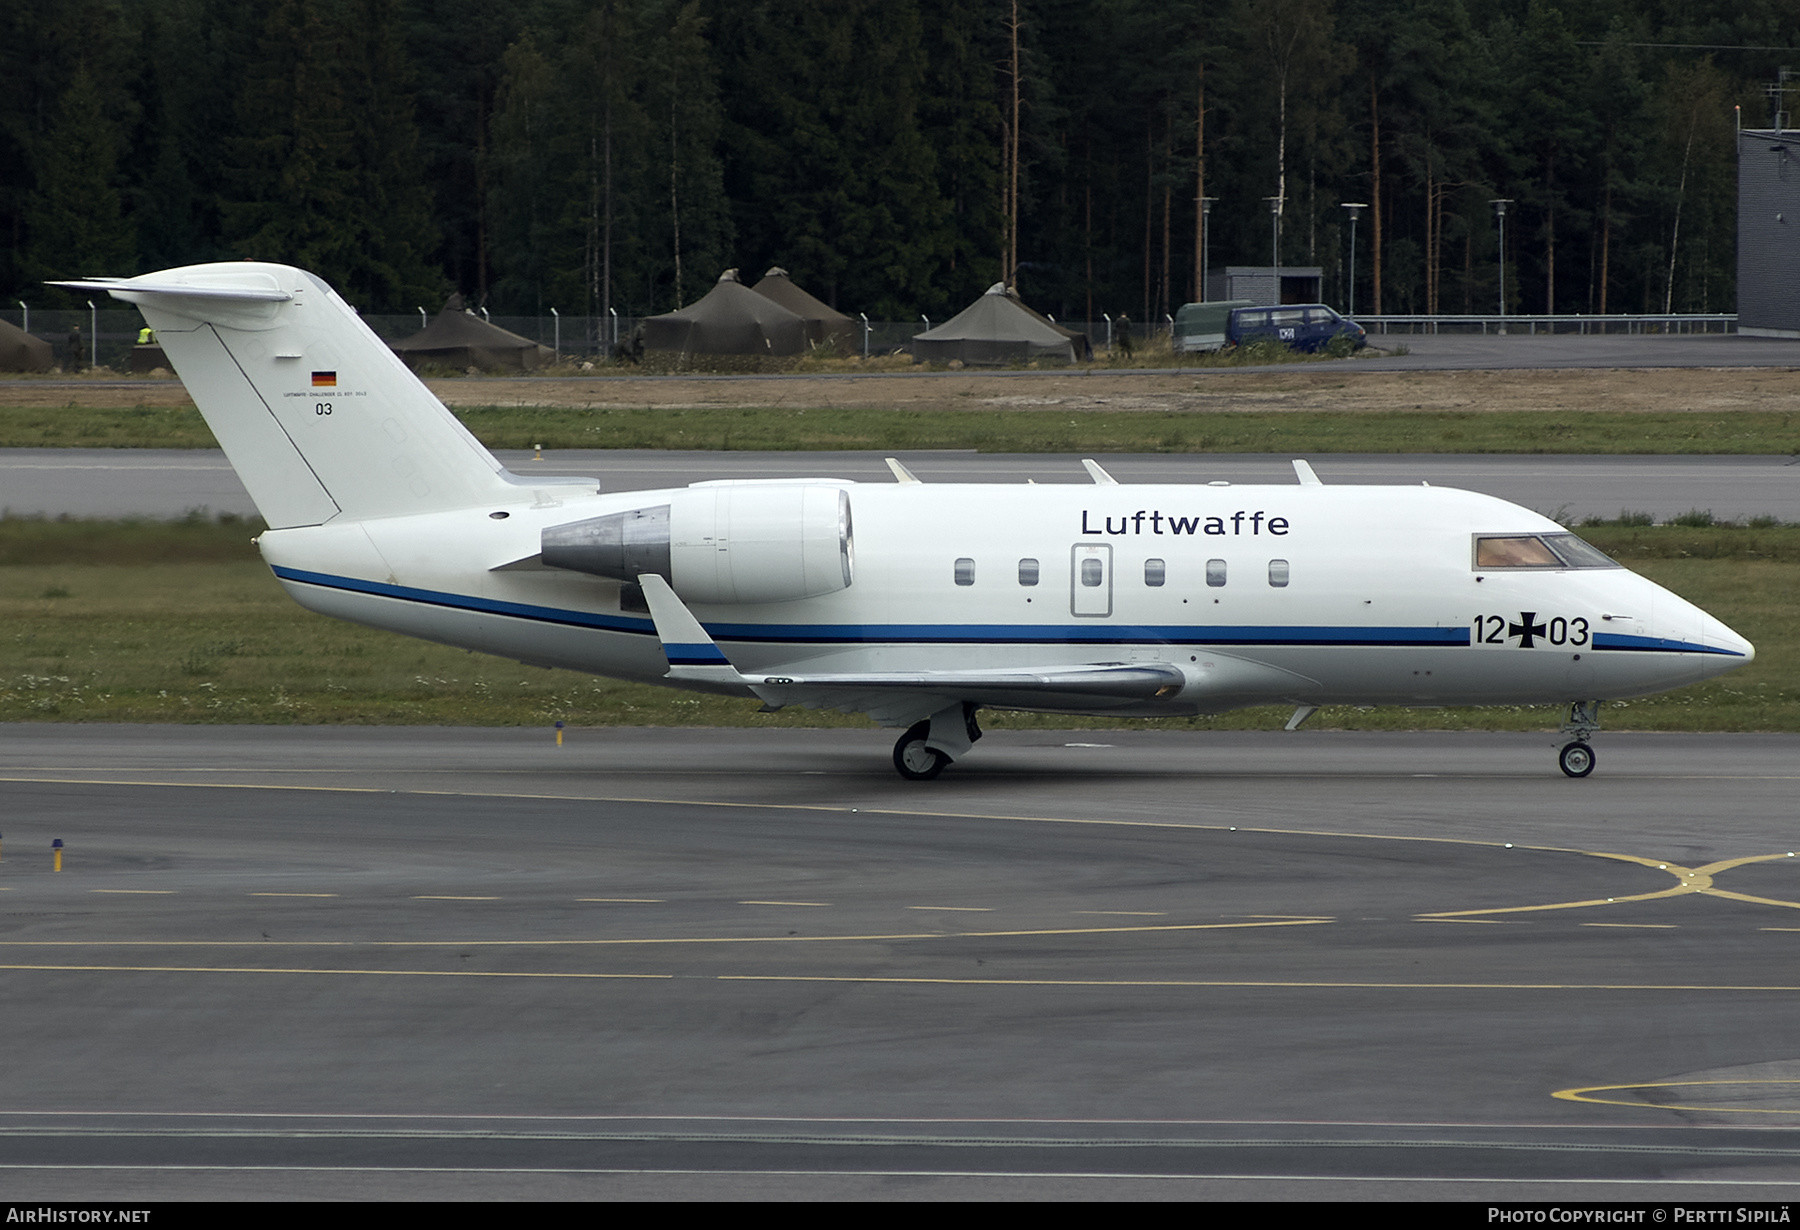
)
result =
(599, 337)
(1531, 326)
(590, 338)
(104, 336)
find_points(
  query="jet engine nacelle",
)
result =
(752, 542)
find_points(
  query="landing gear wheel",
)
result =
(916, 762)
(1576, 759)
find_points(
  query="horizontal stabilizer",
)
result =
(135, 290)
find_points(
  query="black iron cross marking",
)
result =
(1525, 629)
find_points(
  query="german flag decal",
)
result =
(324, 380)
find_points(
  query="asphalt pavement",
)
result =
(407, 963)
(167, 483)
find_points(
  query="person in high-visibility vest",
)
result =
(146, 336)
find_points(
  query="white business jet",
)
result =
(917, 604)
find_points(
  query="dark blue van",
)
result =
(1306, 327)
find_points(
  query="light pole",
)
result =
(1355, 208)
(1500, 204)
(93, 336)
(557, 317)
(865, 323)
(1206, 204)
(1275, 248)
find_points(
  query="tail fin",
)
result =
(316, 414)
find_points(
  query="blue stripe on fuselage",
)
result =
(462, 602)
(1656, 644)
(928, 634)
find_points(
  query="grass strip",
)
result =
(776, 428)
(194, 539)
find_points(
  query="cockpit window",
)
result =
(1579, 554)
(1524, 551)
(1538, 551)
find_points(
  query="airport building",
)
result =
(1257, 284)
(1768, 232)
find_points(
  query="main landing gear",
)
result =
(1576, 758)
(916, 762)
(928, 747)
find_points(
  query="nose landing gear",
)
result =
(1576, 759)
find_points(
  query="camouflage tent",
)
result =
(996, 330)
(731, 319)
(459, 338)
(824, 325)
(21, 352)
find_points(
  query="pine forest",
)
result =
(895, 156)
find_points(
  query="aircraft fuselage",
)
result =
(1356, 595)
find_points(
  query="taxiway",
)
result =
(468, 963)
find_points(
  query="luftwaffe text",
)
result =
(1149, 521)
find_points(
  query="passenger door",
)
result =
(1090, 580)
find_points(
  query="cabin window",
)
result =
(1155, 573)
(1028, 572)
(1215, 572)
(965, 571)
(1093, 573)
(1278, 573)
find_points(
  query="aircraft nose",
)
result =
(1723, 640)
(1679, 623)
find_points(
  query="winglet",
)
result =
(1304, 472)
(690, 651)
(901, 473)
(1100, 477)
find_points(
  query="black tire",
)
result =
(1576, 759)
(914, 761)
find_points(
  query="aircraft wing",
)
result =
(1132, 681)
(901, 696)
